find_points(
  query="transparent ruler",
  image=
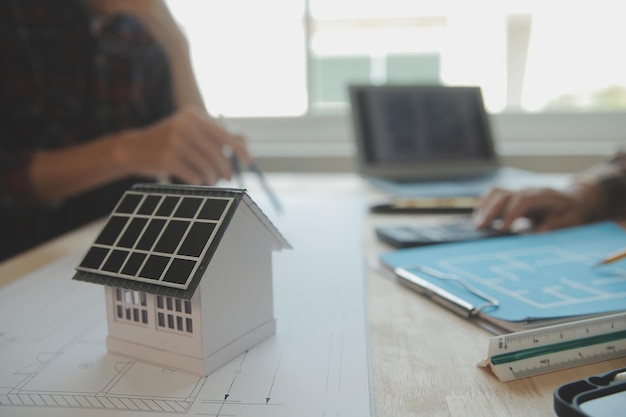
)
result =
(552, 348)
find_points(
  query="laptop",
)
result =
(426, 140)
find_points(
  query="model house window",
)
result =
(131, 306)
(295, 57)
(174, 314)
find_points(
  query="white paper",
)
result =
(53, 360)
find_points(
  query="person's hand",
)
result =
(188, 146)
(547, 208)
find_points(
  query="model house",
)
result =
(187, 274)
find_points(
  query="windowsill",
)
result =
(546, 142)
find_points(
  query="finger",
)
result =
(240, 148)
(488, 200)
(517, 206)
(205, 170)
(191, 168)
(534, 203)
(491, 207)
(207, 156)
(184, 172)
(217, 132)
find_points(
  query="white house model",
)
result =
(187, 274)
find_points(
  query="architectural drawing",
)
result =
(54, 362)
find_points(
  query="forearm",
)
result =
(606, 186)
(165, 30)
(186, 91)
(158, 20)
(60, 174)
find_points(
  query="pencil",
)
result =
(613, 257)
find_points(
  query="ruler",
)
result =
(537, 351)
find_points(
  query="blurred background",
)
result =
(552, 72)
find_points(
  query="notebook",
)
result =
(523, 281)
(426, 140)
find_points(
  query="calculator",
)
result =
(405, 236)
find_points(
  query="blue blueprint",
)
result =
(535, 276)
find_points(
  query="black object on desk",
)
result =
(395, 209)
(427, 205)
(420, 234)
(597, 396)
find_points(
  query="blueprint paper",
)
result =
(53, 359)
(537, 276)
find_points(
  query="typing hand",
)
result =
(547, 208)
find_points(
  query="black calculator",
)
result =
(405, 236)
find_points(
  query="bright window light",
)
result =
(249, 56)
(296, 57)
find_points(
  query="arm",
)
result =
(593, 195)
(158, 20)
(161, 24)
(175, 146)
(187, 145)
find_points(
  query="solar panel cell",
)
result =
(150, 234)
(132, 232)
(149, 204)
(94, 257)
(167, 206)
(188, 208)
(115, 261)
(112, 230)
(129, 203)
(213, 209)
(134, 263)
(154, 267)
(171, 237)
(179, 271)
(196, 239)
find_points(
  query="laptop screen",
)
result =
(421, 132)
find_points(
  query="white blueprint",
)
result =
(53, 360)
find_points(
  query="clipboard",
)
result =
(520, 282)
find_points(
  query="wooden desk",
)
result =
(423, 357)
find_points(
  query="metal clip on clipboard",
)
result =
(440, 295)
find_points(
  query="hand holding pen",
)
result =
(252, 166)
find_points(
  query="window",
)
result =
(295, 57)
(174, 314)
(131, 306)
(248, 55)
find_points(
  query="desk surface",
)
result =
(423, 357)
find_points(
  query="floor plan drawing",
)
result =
(543, 277)
(53, 359)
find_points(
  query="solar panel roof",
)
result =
(160, 238)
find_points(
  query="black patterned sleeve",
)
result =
(611, 178)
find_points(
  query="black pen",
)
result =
(254, 167)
